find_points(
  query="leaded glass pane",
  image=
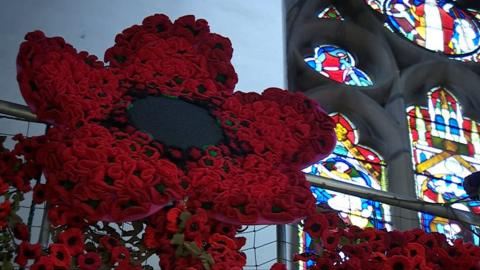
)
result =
(445, 149)
(337, 64)
(436, 25)
(356, 164)
(330, 12)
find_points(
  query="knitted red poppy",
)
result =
(158, 122)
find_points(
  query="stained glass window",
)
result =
(376, 5)
(475, 13)
(436, 25)
(356, 164)
(330, 12)
(445, 149)
(337, 64)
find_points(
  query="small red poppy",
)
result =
(39, 193)
(428, 240)
(196, 225)
(315, 225)
(324, 264)
(44, 263)
(399, 262)
(5, 208)
(173, 219)
(415, 250)
(73, 239)
(330, 239)
(27, 251)
(109, 242)
(120, 254)
(20, 231)
(278, 266)
(60, 255)
(89, 261)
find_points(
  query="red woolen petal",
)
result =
(62, 86)
(250, 191)
(176, 59)
(104, 176)
(283, 127)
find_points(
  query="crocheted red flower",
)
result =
(158, 121)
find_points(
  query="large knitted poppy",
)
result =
(158, 121)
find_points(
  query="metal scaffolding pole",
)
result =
(17, 110)
(44, 236)
(282, 244)
(441, 210)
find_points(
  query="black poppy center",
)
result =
(72, 241)
(112, 242)
(174, 122)
(60, 256)
(330, 239)
(398, 266)
(315, 227)
(29, 253)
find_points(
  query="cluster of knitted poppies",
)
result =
(336, 245)
(184, 238)
(104, 160)
(98, 162)
(70, 251)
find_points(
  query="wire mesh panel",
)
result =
(261, 246)
(300, 242)
(262, 242)
(32, 214)
(29, 212)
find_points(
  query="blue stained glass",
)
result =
(450, 186)
(375, 217)
(440, 122)
(355, 164)
(337, 64)
(308, 242)
(423, 157)
(454, 129)
(321, 195)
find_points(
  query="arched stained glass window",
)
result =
(436, 25)
(337, 64)
(444, 152)
(330, 12)
(356, 164)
